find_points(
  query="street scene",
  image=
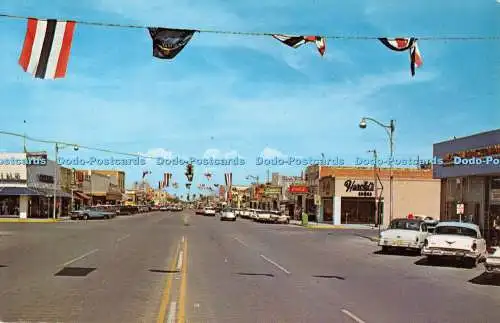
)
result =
(239, 161)
(139, 268)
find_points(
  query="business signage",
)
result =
(327, 186)
(272, 190)
(298, 189)
(291, 178)
(475, 155)
(353, 186)
(45, 179)
(11, 177)
(484, 154)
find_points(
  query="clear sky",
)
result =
(248, 96)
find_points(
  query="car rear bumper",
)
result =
(449, 253)
(400, 244)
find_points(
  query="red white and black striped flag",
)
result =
(297, 41)
(404, 44)
(166, 179)
(46, 48)
(229, 179)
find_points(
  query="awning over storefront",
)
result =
(17, 191)
(112, 196)
(49, 192)
(81, 196)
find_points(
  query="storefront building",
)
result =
(346, 195)
(27, 191)
(470, 180)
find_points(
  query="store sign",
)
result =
(480, 153)
(45, 179)
(291, 178)
(11, 177)
(353, 186)
(298, 189)
(327, 186)
(272, 190)
(460, 208)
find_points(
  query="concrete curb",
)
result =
(16, 220)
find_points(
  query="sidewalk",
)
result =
(316, 225)
(19, 220)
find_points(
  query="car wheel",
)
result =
(85, 217)
(432, 260)
(471, 262)
(385, 249)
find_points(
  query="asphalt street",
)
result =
(155, 268)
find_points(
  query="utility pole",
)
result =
(55, 183)
(377, 218)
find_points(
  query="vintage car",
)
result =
(492, 263)
(404, 234)
(456, 240)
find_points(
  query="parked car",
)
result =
(456, 240)
(199, 211)
(263, 216)
(431, 223)
(92, 213)
(279, 217)
(492, 262)
(209, 211)
(404, 234)
(227, 215)
(127, 210)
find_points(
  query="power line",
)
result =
(25, 137)
(258, 34)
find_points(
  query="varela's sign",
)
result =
(272, 190)
(353, 186)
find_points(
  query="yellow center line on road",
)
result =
(168, 285)
(181, 318)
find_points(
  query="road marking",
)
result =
(78, 258)
(243, 243)
(181, 318)
(182, 240)
(179, 260)
(276, 264)
(123, 238)
(166, 290)
(172, 312)
(354, 317)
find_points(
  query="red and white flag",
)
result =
(297, 41)
(404, 44)
(46, 48)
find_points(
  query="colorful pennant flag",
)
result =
(404, 44)
(46, 48)
(297, 41)
(228, 178)
(167, 43)
(166, 179)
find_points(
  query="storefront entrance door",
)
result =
(358, 210)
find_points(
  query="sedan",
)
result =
(227, 215)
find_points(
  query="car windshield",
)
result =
(456, 230)
(405, 225)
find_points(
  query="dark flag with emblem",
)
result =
(297, 41)
(167, 43)
(404, 44)
(144, 173)
(46, 48)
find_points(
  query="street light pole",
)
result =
(374, 151)
(390, 132)
(55, 182)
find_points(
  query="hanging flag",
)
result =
(228, 178)
(208, 175)
(297, 41)
(166, 179)
(46, 48)
(144, 173)
(159, 185)
(188, 185)
(167, 43)
(404, 44)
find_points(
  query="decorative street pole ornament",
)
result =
(188, 185)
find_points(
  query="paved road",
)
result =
(153, 268)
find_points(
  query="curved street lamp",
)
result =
(389, 129)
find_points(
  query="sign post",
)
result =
(460, 210)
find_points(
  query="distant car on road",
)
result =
(209, 211)
(456, 240)
(92, 213)
(227, 215)
(404, 234)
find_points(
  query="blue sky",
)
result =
(248, 96)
